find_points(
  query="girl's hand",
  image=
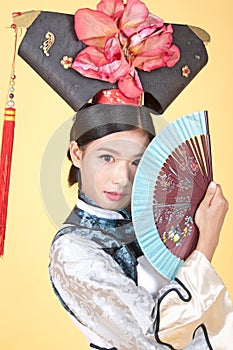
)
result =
(209, 219)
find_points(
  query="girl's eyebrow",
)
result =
(106, 149)
(114, 152)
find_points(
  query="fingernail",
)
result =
(212, 184)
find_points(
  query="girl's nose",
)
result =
(121, 173)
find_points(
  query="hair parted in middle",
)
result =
(96, 121)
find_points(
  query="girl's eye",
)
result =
(136, 162)
(107, 158)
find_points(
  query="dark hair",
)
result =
(98, 121)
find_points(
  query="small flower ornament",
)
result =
(66, 62)
(120, 38)
(185, 71)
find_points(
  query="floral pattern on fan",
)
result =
(176, 197)
(177, 235)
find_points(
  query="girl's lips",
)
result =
(114, 196)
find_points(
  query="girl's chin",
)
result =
(115, 205)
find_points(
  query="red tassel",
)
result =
(6, 151)
(5, 169)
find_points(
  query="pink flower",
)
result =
(121, 37)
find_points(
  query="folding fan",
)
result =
(170, 182)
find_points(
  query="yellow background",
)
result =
(30, 315)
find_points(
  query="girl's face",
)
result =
(108, 167)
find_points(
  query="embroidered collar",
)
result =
(115, 230)
(87, 204)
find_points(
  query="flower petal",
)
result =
(112, 49)
(149, 63)
(137, 38)
(151, 25)
(88, 61)
(174, 56)
(161, 39)
(152, 21)
(113, 8)
(114, 71)
(157, 51)
(131, 85)
(92, 63)
(161, 58)
(135, 13)
(92, 27)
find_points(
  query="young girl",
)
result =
(96, 266)
(97, 269)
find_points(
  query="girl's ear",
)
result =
(76, 154)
